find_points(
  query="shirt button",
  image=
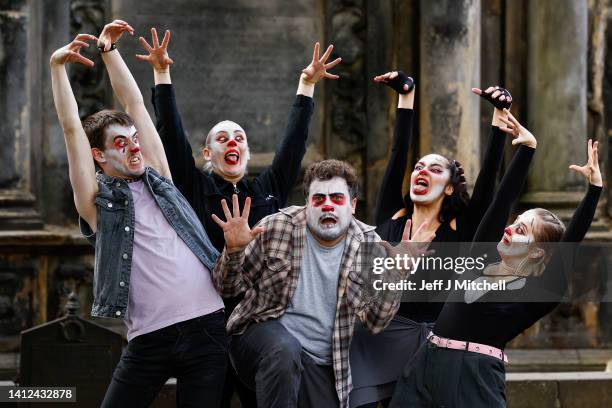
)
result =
(125, 256)
(122, 284)
(127, 229)
(118, 313)
(109, 205)
(126, 202)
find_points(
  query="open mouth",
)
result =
(232, 157)
(328, 222)
(505, 240)
(420, 186)
(135, 161)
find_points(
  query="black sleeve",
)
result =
(281, 176)
(484, 189)
(494, 220)
(583, 216)
(177, 147)
(390, 199)
(552, 285)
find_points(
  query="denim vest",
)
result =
(114, 236)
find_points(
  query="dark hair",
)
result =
(550, 228)
(328, 169)
(95, 125)
(457, 202)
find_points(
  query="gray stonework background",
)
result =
(241, 59)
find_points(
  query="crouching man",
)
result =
(153, 258)
(303, 280)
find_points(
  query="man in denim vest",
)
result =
(153, 258)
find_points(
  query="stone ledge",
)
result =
(559, 390)
(50, 236)
(556, 360)
(523, 390)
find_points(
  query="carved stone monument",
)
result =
(70, 352)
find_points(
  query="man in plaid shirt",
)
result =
(303, 274)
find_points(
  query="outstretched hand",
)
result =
(318, 68)
(158, 54)
(71, 53)
(414, 246)
(236, 228)
(520, 134)
(591, 169)
(112, 32)
(497, 96)
(397, 80)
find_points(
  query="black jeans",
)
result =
(193, 351)
(441, 377)
(270, 360)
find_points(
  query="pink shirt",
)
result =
(168, 284)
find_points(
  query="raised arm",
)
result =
(128, 94)
(169, 124)
(390, 198)
(281, 176)
(484, 188)
(583, 216)
(554, 279)
(81, 168)
(492, 225)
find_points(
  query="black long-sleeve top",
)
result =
(269, 191)
(499, 316)
(390, 200)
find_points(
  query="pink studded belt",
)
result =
(468, 346)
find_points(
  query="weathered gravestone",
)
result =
(70, 352)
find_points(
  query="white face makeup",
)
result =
(518, 236)
(228, 149)
(329, 210)
(121, 156)
(429, 179)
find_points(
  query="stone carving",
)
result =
(92, 91)
(347, 31)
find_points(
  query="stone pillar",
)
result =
(346, 124)
(450, 67)
(17, 190)
(557, 100)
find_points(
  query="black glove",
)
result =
(399, 81)
(506, 103)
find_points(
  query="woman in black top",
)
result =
(226, 153)
(459, 378)
(439, 196)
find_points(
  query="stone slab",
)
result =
(232, 60)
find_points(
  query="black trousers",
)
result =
(232, 382)
(441, 377)
(271, 361)
(193, 351)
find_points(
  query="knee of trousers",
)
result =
(284, 357)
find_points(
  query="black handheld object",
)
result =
(505, 104)
(399, 81)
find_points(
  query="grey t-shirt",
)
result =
(311, 312)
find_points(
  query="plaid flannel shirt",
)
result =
(267, 272)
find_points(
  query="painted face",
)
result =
(329, 209)
(429, 179)
(518, 236)
(121, 156)
(228, 150)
